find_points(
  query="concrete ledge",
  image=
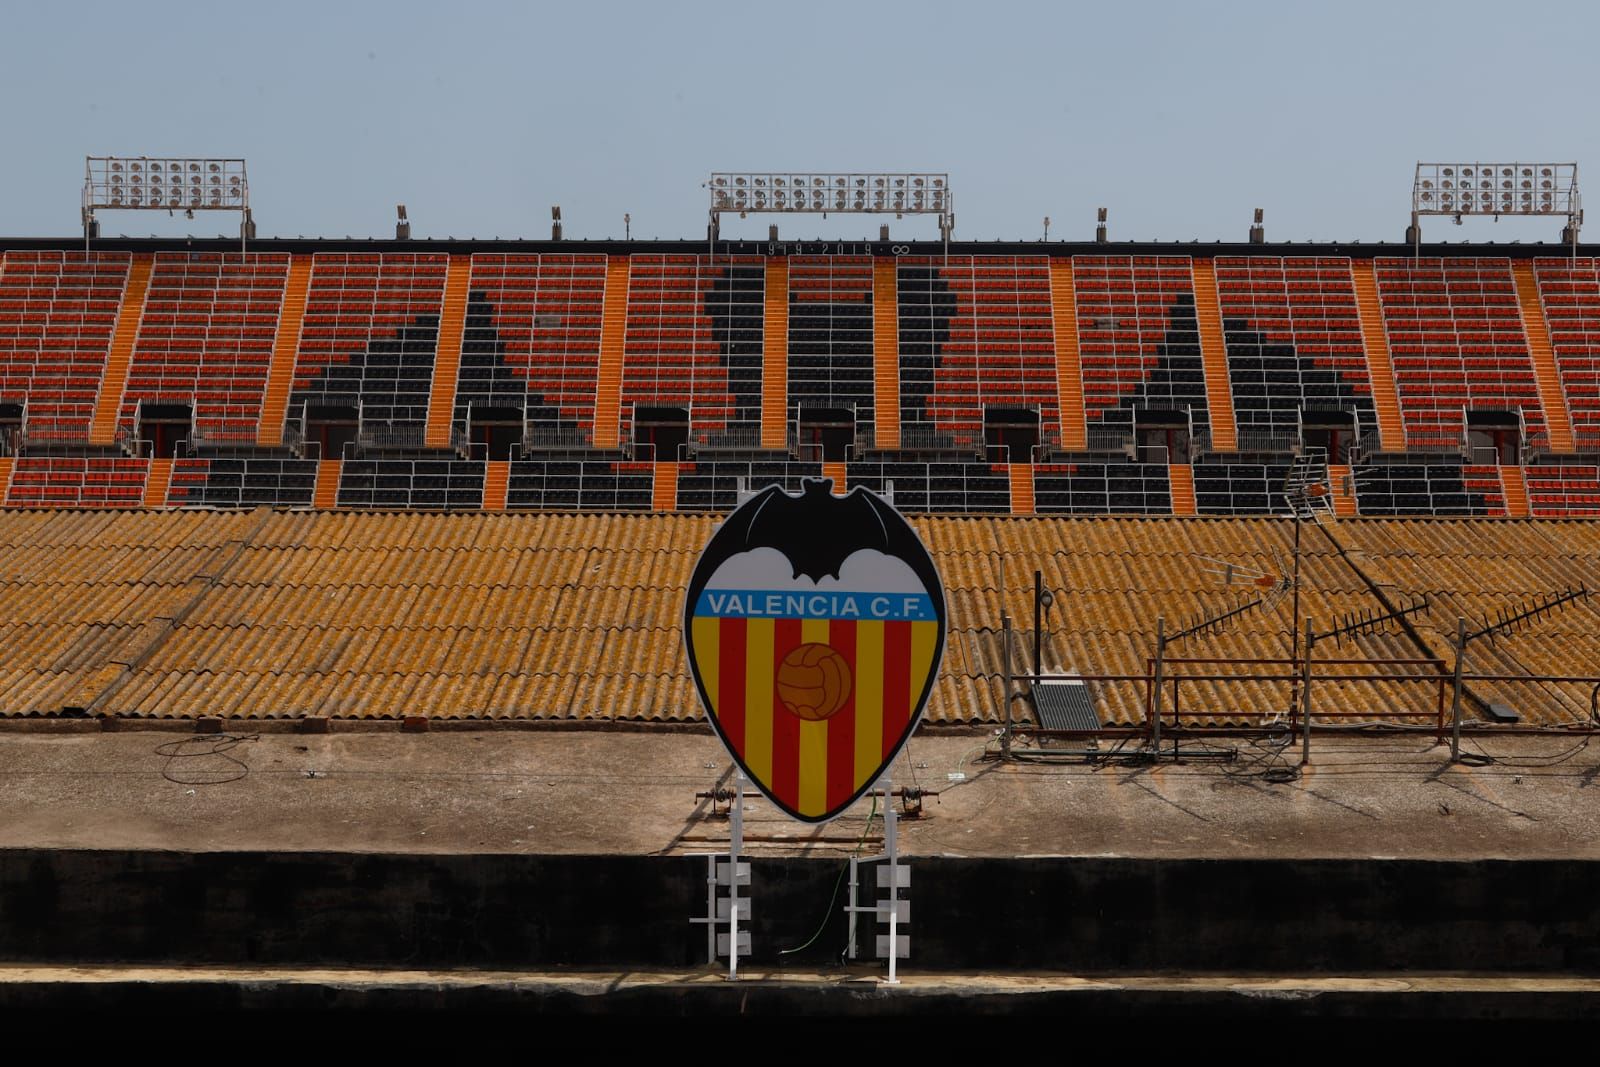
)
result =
(856, 992)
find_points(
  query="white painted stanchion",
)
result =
(732, 909)
(893, 876)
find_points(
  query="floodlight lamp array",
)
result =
(1496, 189)
(166, 184)
(846, 193)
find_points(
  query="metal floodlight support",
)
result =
(145, 183)
(844, 193)
(1495, 189)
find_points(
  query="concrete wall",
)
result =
(1082, 915)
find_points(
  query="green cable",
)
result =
(837, 883)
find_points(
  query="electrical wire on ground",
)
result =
(1481, 758)
(191, 748)
(1269, 762)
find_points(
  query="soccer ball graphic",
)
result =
(813, 681)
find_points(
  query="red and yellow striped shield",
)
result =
(814, 658)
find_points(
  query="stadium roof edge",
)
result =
(1355, 250)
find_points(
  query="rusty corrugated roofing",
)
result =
(576, 615)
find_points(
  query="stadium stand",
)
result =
(1102, 489)
(1139, 339)
(1425, 489)
(976, 333)
(532, 340)
(77, 482)
(714, 486)
(1458, 347)
(937, 487)
(1019, 381)
(830, 350)
(370, 336)
(1569, 293)
(1564, 492)
(247, 483)
(58, 311)
(205, 343)
(556, 484)
(694, 341)
(1294, 342)
(1239, 488)
(455, 485)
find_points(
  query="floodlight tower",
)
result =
(843, 193)
(1462, 189)
(163, 183)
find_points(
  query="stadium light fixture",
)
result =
(163, 183)
(843, 193)
(1463, 189)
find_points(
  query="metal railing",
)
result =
(1276, 441)
(922, 437)
(389, 437)
(31, 434)
(200, 437)
(553, 439)
(294, 439)
(1109, 439)
(1183, 711)
(731, 439)
(1368, 444)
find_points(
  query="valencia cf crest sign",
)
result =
(815, 625)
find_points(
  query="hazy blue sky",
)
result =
(1179, 118)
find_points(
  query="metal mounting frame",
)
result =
(164, 183)
(897, 193)
(1495, 189)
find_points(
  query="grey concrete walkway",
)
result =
(634, 793)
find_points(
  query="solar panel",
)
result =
(1064, 703)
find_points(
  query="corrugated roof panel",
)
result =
(34, 692)
(537, 696)
(366, 612)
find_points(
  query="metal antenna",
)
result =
(1537, 608)
(1364, 622)
(1216, 622)
(1306, 488)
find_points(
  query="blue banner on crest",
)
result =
(824, 604)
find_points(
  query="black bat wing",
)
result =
(816, 532)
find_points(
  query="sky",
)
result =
(1179, 118)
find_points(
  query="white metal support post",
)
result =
(735, 847)
(730, 870)
(891, 848)
(891, 875)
